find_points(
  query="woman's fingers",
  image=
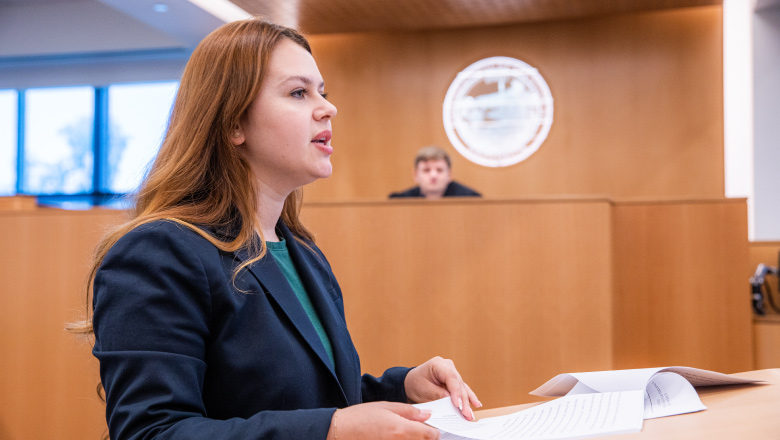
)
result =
(438, 378)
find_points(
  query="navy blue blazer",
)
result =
(454, 189)
(187, 353)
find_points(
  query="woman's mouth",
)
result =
(322, 140)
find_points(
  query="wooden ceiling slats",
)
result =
(338, 16)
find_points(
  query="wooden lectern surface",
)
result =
(733, 412)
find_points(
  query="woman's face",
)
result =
(285, 134)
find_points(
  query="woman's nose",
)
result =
(327, 109)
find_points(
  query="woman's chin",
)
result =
(325, 171)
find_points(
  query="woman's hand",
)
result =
(381, 420)
(439, 378)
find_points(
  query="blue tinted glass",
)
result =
(8, 141)
(137, 120)
(58, 133)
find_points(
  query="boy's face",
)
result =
(432, 176)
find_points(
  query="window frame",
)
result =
(100, 166)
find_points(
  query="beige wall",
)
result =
(638, 105)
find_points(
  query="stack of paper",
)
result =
(593, 403)
(668, 390)
(576, 416)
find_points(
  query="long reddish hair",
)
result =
(199, 177)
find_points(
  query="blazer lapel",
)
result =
(273, 280)
(317, 283)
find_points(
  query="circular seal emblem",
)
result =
(498, 111)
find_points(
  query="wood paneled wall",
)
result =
(638, 105)
(47, 376)
(514, 291)
(518, 291)
(511, 291)
(681, 270)
(19, 203)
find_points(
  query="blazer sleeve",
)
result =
(152, 317)
(390, 386)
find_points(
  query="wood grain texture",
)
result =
(680, 292)
(767, 341)
(514, 291)
(47, 385)
(511, 291)
(340, 16)
(638, 106)
(18, 203)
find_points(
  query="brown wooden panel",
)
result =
(47, 385)
(638, 105)
(767, 252)
(681, 295)
(513, 292)
(767, 341)
(18, 203)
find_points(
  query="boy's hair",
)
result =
(432, 152)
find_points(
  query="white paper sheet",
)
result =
(636, 379)
(576, 416)
(668, 390)
(669, 394)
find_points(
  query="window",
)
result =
(81, 143)
(8, 142)
(59, 127)
(138, 116)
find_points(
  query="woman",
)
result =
(215, 315)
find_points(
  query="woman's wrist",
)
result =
(333, 433)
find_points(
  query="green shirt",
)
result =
(282, 256)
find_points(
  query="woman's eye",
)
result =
(324, 95)
(298, 93)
